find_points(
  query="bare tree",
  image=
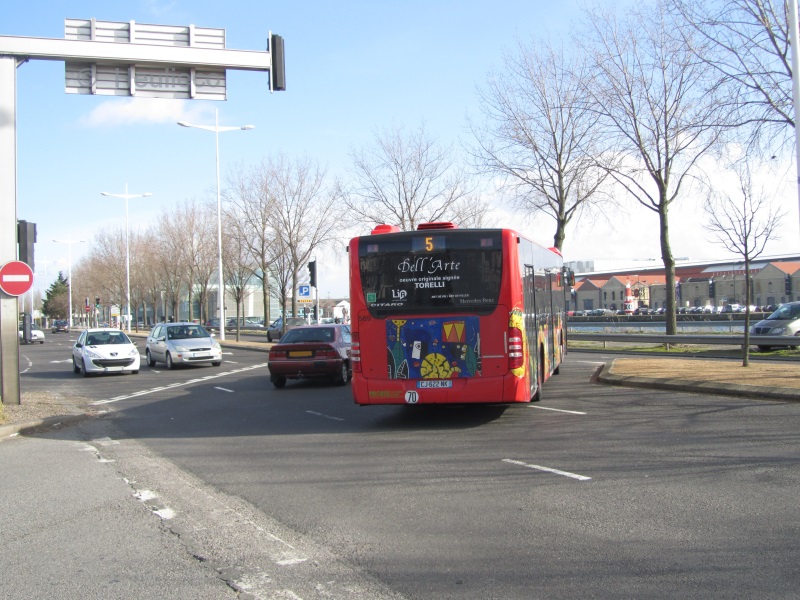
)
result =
(747, 43)
(659, 108)
(171, 260)
(542, 135)
(408, 178)
(237, 263)
(200, 232)
(103, 269)
(251, 195)
(306, 216)
(743, 224)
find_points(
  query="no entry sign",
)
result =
(16, 278)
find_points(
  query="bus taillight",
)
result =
(516, 354)
(355, 353)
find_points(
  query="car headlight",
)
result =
(181, 349)
(91, 354)
(215, 345)
(778, 331)
(133, 352)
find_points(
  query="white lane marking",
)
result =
(174, 385)
(572, 412)
(55, 362)
(547, 469)
(316, 414)
(222, 389)
(165, 513)
(291, 561)
(587, 362)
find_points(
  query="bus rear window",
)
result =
(415, 273)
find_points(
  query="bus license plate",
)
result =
(436, 383)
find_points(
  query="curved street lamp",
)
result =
(69, 241)
(217, 129)
(127, 197)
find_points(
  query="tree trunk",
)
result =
(746, 347)
(671, 321)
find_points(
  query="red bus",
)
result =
(447, 315)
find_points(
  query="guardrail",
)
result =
(702, 340)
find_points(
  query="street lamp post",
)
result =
(126, 196)
(69, 241)
(216, 129)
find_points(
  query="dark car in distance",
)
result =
(60, 326)
(312, 351)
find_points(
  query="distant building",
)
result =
(773, 281)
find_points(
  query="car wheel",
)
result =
(765, 348)
(85, 372)
(278, 382)
(136, 372)
(41, 341)
(341, 378)
(170, 364)
(75, 368)
(150, 361)
(216, 363)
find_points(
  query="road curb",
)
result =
(39, 425)
(696, 386)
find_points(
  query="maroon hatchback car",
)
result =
(311, 351)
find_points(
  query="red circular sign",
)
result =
(16, 278)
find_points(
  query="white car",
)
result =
(104, 351)
(37, 335)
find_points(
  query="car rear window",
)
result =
(316, 334)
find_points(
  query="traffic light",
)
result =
(712, 293)
(26, 237)
(312, 273)
(97, 302)
(278, 63)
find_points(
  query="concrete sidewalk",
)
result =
(71, 530)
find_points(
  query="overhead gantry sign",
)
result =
(113, 59)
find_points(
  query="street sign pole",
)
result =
(9, 308)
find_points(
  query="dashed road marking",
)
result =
(177, 384)
(317, 414)
(547, 469)
(571, 412)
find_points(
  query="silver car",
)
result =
(784, 321)
(181, 343)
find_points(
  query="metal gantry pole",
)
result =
(9, 307)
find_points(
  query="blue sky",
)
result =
(352, 68)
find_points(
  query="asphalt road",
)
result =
(595, 492)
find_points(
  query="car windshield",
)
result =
(315, 334)
(186, 332)
(787, 312)
(103, 338)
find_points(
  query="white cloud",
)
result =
(142, 110)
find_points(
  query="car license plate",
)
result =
(300, 353)
(200, 354)
(435, 383)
